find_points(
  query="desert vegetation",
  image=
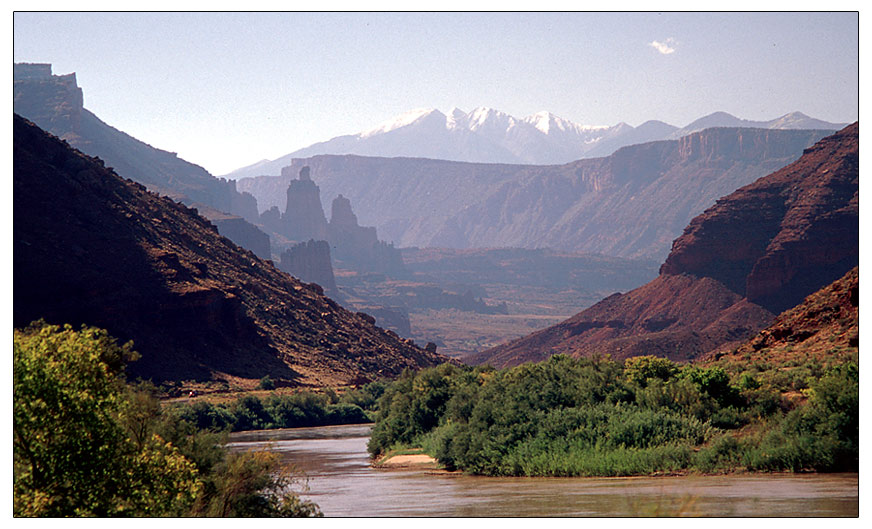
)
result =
(88, 443)
(647, 415)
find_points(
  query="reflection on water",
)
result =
(342, 483)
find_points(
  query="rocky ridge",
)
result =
(825, 324)
(93, 248)
(238, 230)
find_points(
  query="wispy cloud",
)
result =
(666, 47)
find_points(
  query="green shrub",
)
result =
(85, 443)
(641, 369)
(266, 383)
(724, 453)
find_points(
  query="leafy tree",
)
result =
(72, 454)
(85, 443)
(713, 381)
(250, 414)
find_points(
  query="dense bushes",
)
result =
(85, 443)
(283, 411)
(598, 417)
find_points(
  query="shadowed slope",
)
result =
(90, 247)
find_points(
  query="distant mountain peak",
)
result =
(720, 114)
(403, 120)
(456, 118)
(544, 121)
(481, 117)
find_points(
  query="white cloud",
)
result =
(666, 47)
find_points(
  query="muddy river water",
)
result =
(343, 484)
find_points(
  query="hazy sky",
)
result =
(225, 90)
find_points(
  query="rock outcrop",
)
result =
(92, 248)
(825, 324)
(238, 230)
(358, 247)
(631, 204)
(393, 318)
(778, 239)
(304, 217)
(758, 251)
(310, 262)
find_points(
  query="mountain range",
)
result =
(91, 247)
(630, 204)
(487, 135)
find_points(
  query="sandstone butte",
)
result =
(93, 248)
(757, 252)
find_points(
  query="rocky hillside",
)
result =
(824, 325)
(632, 204)
(90, 247)
(756, 252)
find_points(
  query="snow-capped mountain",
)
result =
(487, 135)
(483, 135)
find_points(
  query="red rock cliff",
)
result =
(780, 238)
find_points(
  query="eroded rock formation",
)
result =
(358, 247)
(304, 217)
(631, 204)
(310, 262)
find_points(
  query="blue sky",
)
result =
(226, 90)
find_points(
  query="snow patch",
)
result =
(403, 120)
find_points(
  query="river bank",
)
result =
(342, 481)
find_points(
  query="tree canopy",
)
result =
(86, 443)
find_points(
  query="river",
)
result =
(343, 484)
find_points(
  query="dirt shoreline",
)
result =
(419, 461)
